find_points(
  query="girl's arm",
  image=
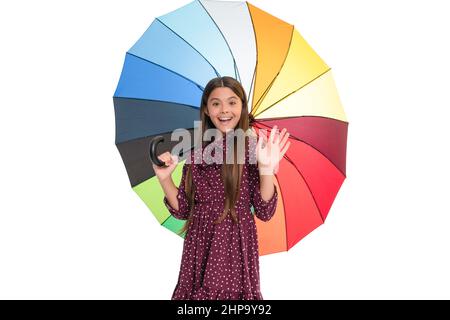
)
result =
(267, 187)
(175, 198)
(170, 191)
(260, 188)
(269, 151)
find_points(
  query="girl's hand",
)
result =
(270, 151)
(165, 172)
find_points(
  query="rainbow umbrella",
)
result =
(288, 85)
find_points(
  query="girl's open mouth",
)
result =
(225, 120)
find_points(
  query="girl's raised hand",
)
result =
(165, 172)
(269, 151)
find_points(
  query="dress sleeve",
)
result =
(264, 210)
(183, 204)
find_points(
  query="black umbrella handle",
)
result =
(153, 145)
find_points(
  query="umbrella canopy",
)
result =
(287, 83)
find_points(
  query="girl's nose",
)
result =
(224, 109)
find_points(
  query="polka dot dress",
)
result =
(220, 262)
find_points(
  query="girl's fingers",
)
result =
(266, 141)
(166, 157)
(283, 133)
(261, 133)
(272, 133)
(262, 138)
(284, 139)
(279, 135)
(259, 144)
(283, 151)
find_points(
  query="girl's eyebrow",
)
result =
(233, 97)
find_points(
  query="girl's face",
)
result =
(224, 108)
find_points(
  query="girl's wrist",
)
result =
(166, 179)
(265, 169)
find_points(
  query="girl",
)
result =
(220, 254)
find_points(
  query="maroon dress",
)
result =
(220, 261)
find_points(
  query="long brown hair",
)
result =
(231, 172)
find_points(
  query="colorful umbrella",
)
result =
(288, 85)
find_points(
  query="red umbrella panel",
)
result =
(308, 179)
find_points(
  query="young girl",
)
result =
(220, 255)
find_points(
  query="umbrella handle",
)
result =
(153, 144)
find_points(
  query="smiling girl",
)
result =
(220, 254)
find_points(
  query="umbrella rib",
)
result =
(231, 52)
(259, 120)
(276, 76)
(256, 64)
(282, 200)
(170, 215)
(217, 73)
(320, 75)
(301, 140)
(156, 64)
(252, 91)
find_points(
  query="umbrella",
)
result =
(288, 85)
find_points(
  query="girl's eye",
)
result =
(215, 103)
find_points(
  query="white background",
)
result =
(72, 228)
